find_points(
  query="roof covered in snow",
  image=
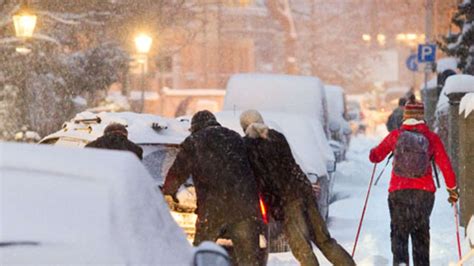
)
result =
(85, 126)
(84, 206)
(275, 93)
(459, 83)
(335, 99)
(336, 109)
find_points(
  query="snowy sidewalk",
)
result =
(350, 189)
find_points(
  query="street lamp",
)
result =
(25, 22)
(143, 45)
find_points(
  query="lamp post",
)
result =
(24, 22)
(143, 44)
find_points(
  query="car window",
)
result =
(159, 160)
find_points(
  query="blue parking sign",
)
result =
(426, 53)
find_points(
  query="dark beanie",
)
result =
(201, 120)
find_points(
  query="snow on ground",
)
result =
(373, 248)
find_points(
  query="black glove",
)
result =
(453, 195)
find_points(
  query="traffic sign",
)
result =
(412, 62)
(426, 53)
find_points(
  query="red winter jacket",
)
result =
(425, 182)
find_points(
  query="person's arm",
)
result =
(387, 145)
(442, 160)
(179, 171)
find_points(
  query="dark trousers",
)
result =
(244, 236)
(410, 212)
(302, 225)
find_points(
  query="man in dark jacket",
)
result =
(288, 192)
(411, 190)
(396, 117)
(226, 190)
(116, 138)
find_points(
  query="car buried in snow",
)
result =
(339, 127)
(159, 138)
(62, 206)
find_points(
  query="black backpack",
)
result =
(411, 156)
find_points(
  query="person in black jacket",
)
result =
(116, 138)
(396, 117)
(226, 190)
(287, 191)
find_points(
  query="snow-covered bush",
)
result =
(461, 45)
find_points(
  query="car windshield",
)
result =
(158, 159)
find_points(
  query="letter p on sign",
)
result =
(426, 53)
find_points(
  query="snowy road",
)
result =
(374, 242)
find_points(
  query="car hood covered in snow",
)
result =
(83, 206)
(86, 126)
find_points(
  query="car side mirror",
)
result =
(211, 254)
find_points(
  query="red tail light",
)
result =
(263, 210)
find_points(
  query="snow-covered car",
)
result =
(63, 206)
(356, 117)
(339, 128)
(159, 137)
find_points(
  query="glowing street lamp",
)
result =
(366, 37)
(143, 43)
(25, 22)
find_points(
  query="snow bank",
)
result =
(467, 104)
(446, 63)
(459, 83)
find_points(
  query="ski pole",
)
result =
(383, 170)
(363, 210)
(456, 218)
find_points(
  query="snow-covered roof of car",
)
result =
(335, 98)
(305, 135)
(84, 206)
(89, 126)
(275, 93)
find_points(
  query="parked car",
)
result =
(356, 117)
(64, 206)
(159, 138)
(339, 128)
